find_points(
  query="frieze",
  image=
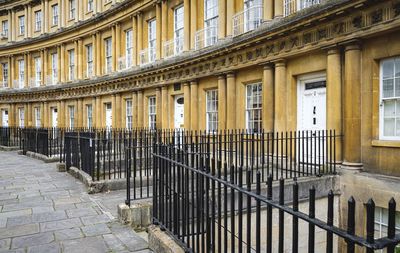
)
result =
(266, 51)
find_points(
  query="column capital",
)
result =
(185, 84)
(352, 44)
(230, 74)
(165, 87)
(280, 63)
(268, 66)
(193, 82)
(221, 76)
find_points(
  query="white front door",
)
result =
(54, 117)
(179, 112)
(312, 118)
(312, 104)
(108, 116)
(4, 116)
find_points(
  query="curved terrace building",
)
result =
(277, 65)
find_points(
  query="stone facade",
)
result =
(343, 41)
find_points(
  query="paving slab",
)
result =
(43, 210)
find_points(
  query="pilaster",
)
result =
(222, 102)
(268, 98)
(193, 22)
(140, 109)
(231, 101)
(186, 27)
(164, 24)
(165, 106)
(159, 112)
(194, 105)
(230, 11)
(186, 108)
(280, 96)
(278, 8)
(134, 110)
(158, 31)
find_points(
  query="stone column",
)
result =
(230, 11)
(26, 22)
(222, 102)
(46, 16)
(79, 112)
(352, 107)
(139, 34)
(62, 68)
(29, 21)
(194, 106)
(334, 96)
(193, 22)
(268, 98)
(113, 48)
(134, 40)
(27, 115)
(98, 59)
(230, 101)
(12, 114)
(113, 111)
(76, 47)
(268, 6)
(158, 31)
(164, 24)
(27, 65)
(278, 8)
(10, 68)
(186, 26)
(45, 66)
(140, 109)
(165, 107)
(117, 44)
(80, 59)
(59, 64)
(98, 113)
(280, 96)
(12, 71)
(118, 113)
(221, 19)
(94, 106)
(159, 112)
(42, 75)
(11, 27)
(186, 110)
(134, 110)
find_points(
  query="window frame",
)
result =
(152, 109)
(21, 117)
(4, 70)
(210, 113)
(55, 11)
(38, 118)
(4, 28)
(89, 60)
(71, 113)
(21, 73)
(38, 21)
(152, 42)
(21, 23)
(89, 5)
(38, 71)
(54, 67)
(128, 114)
(179, 29)
(89, 116)
(71, 64)
(253, 109)
(108, 54)
(382, 100)
(129, 48)
(72, 9)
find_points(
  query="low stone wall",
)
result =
(161, 242)
(101, 185)
(7, 148)
(138, 215)
(41, 157)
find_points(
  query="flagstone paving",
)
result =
(42, 210)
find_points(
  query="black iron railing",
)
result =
(10, 136)
(209, 207)
(45, 141)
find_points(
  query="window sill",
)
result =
(384, 143)
(107, 3)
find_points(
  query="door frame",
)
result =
(176, 97)
(301, 80)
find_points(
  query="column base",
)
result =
(352, 167)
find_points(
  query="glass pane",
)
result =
(387, 88)
(389, 108)
(397, 87)
(397, 67)
(388, 127)
(387, 69)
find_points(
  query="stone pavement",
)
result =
(42, 210)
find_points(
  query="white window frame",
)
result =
(38, 71)
(4, 69)
(212, 110)
(303, 4)
(152, 39)
(381, 224)
(152, 104)
(89, 116)
(393, 98)
(4, 28)
(21, 117)
(71, 64)
(21, 73)
(251, 120)
(129, 114)
(129, 48)
(54, 67)
(89, 5)
(72, 9)
(89, 60)
(38, 21)
(71, 110)
(38, 120)
(21, 21)
(55, 14)
(179, 23)
(108, 55)
(210, 22)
